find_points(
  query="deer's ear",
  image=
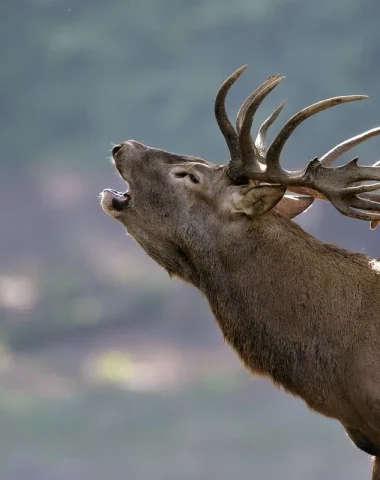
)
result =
(257, 200)
(292, 205)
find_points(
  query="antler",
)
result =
(335, 184)
(227, 129)
(253, 160)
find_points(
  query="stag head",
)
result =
(172, 198)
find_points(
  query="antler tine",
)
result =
(249, 154)
(374, 197)
(350, 212)
(261, 139)
(328, 158)
(274, 151)
(256, 153)
(224, 124)
(243, 109)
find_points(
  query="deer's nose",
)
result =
(115, 149)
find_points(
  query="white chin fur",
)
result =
(106, 198)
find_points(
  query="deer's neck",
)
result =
(282, 298)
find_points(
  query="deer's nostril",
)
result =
(115, 149)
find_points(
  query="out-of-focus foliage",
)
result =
(82, 308)
(78, 75)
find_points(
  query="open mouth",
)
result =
(121, 196)
(114, 200)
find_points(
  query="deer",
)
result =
(303, 313)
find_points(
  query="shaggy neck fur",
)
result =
(284, 301)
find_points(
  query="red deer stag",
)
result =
(299, 311)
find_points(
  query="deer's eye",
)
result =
(184, 174)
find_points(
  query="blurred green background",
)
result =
(108, 369)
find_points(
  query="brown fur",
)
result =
(296, 310)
